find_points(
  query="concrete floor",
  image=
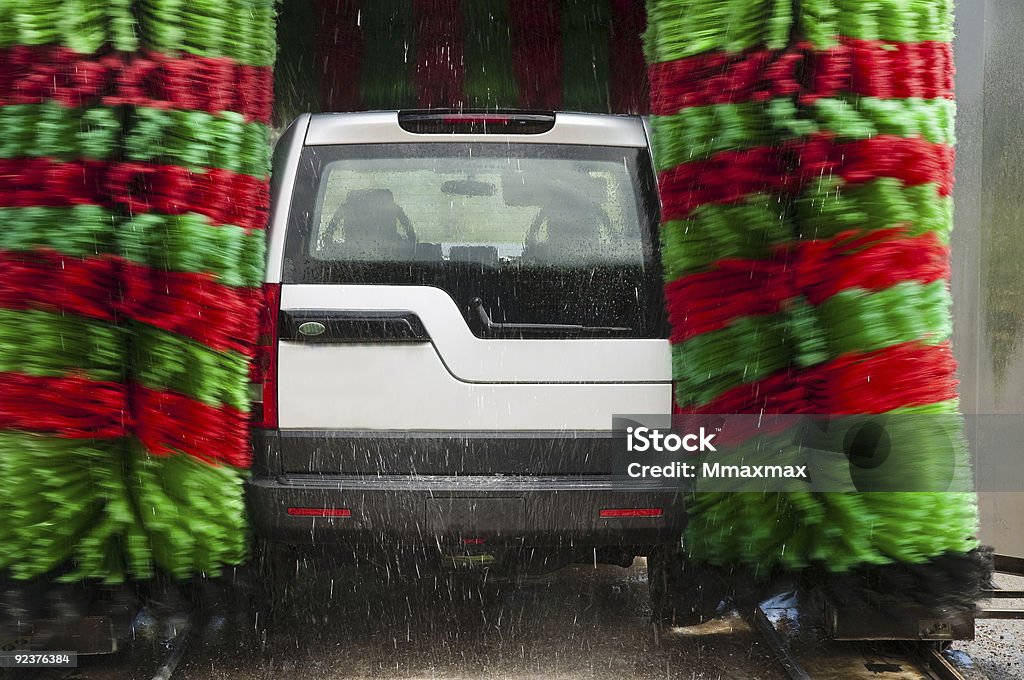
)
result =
(581, 622)
(998, 647)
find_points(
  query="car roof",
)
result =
(381, 127)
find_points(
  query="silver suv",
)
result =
(457, 303)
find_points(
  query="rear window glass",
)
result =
(546, 210)
(493, 222)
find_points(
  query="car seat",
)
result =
(370, 224)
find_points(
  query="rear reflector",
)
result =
(448, 122)
(319, 512)
(631, 512)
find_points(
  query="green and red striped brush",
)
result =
(133, 190)
(806, 165)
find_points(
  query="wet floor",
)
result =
(382, 621)
(580, 622)
(998, 647)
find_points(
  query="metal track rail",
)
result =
(932, 659)
(1004, 564)
(177, 647)
(778, 646)
(848, 660)
(176, 652)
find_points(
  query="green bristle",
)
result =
(827, 207)
(490, 82)
(84, 24)
(164, 361)
(865, 117)
(298, 70)
(79, 231)
(122, 26)
(54, 500)
(190, 243)
(585, 68)
(700, 131)
(836, 532)
(688, 28)
(856, 320)
(750, 229)
(51, 344)
(198, 140)
(748, 349)
(207, 26)
(159, 26)
(386, 78)
(54, 131)
(39, 24)
(106, 510)
(894, 20)
(192, 512)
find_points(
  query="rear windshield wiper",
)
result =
(493, 327)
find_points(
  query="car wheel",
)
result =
(684, 592)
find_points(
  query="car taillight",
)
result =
(469, 122)
(614, 513)
(264, 365)
(319, 512)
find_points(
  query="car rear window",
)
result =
(538, 236)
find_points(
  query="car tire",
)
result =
(684, 592)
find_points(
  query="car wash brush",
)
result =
(806, 169)
(134, 190)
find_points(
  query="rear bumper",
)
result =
(518, 500)
(535, 511)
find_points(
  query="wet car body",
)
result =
(457, 305)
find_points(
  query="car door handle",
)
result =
(328, 326)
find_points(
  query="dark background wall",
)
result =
(350, 55)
